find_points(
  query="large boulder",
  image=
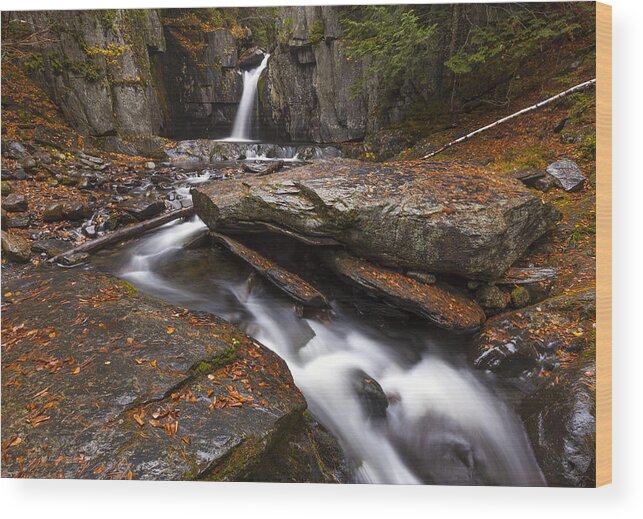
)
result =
(101, 383)
(416, 216)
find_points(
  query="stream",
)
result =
(446, 423)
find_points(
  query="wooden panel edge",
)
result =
(603, 244)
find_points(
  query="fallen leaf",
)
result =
(170, 330)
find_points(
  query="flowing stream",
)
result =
(242, 127)
(445, 424)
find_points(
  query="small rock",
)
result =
(77, 210)
(567, 175)
(13, 149)
(422, 277)
(18, 221)
(50, 246)
(16, 248)
(492, 299)
(150, 165)
(15, 203)
(371, 395)
(28, 163)
(143, 207)
(74, 259)
(19, 174)
(544, 184)
(473, 285)
(520, 297)
(53, 212)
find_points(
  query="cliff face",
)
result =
(131, 75)
(309, 94)
(97, 69)
(202, 86)
(134, 74)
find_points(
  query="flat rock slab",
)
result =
(99, 382)
(286, 281)
(455, 218)
(440, 306)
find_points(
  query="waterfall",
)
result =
(242, 127)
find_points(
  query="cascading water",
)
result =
(445, 423)
(242, 127)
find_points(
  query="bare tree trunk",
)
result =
(127, 232)
(531, 108)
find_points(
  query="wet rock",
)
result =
(16, 248)
(185, 418)
(15, 203)
(18, 220)
(371, 395)
(142, 207)
(416, 217)
(440, 305)
(531, 337)
(53, 212)
(492, 299)
(567, 175)
(251, 58)
(50, 246)
(520, 297)
(561, 423)
(70, 260)
(76, 211)
(422, 277)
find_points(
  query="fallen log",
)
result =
(290, 283)
(531, 108)
(126, 233)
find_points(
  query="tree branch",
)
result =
(531, 108)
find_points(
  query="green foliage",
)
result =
(316, 32)
(394, 43)
(285, 31)
(33, 63)
(85, 69)
(511, 38)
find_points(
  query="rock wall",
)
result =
(308, 95)
(202, 86)
(97, 69)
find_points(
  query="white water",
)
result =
(444, 424)
(242, 127)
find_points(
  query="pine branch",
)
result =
(550, 100)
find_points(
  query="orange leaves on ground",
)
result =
(139, 417)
